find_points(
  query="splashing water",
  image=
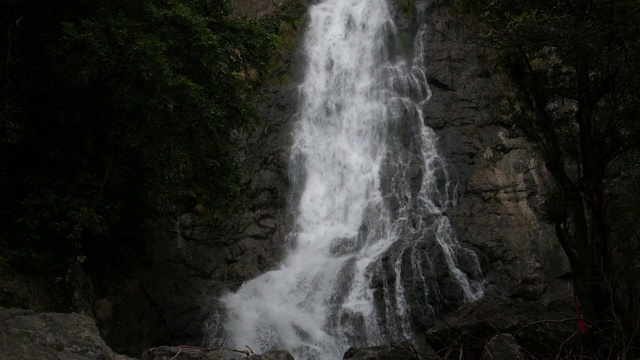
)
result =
(369, 228)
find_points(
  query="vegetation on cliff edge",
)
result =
(109, 111)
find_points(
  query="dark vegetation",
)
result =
(110, 112)
(572, 89)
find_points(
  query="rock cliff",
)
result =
(500, 181)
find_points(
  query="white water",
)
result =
(361, 212)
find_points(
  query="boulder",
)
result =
(25, 335)
(502, 347)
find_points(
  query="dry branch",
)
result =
(247, 353)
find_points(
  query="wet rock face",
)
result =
(34, 336)
(500, 182)
(257, 238)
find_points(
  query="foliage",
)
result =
(408, 8)
(287, 24)
(109, 110)
(572, 90)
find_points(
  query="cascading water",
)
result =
(371, 250)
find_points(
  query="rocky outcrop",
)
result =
(403, 350)
(25, 335)
(500, 181)
(502, 328)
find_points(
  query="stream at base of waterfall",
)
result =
(371, 253)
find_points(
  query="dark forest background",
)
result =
(112, 113)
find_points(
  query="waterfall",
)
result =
(372, 254)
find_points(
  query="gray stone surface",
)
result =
(500, 181)
(25, 335)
